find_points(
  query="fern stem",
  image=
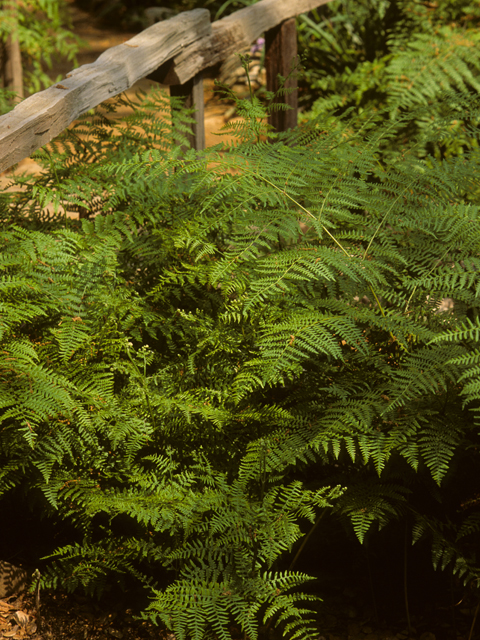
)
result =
(305, 540)
(380, 224)
(383, 314)
(378, 302)
(297, 555)
(473, 621)
(37, 577)
(283, 192)
(454, 621)
(144, 385)
(245, 65)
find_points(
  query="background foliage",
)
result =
(43, 33)
(391, 54)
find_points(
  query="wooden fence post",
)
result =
(280, 55)
(192, 92)
(170, 52)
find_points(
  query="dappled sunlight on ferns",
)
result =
(227, 320)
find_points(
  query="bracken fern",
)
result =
(230, 324)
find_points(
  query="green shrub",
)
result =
(392, 55)
(238, 340)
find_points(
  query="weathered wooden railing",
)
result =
(173, 52)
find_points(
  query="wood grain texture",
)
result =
(281, 58)
(40, 118)
(192, 94)
(232, 34)
(189, 41)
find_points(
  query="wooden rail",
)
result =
(173, 52)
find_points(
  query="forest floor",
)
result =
(343, 616)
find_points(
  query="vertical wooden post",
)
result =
(192, 92)
(280, 55)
